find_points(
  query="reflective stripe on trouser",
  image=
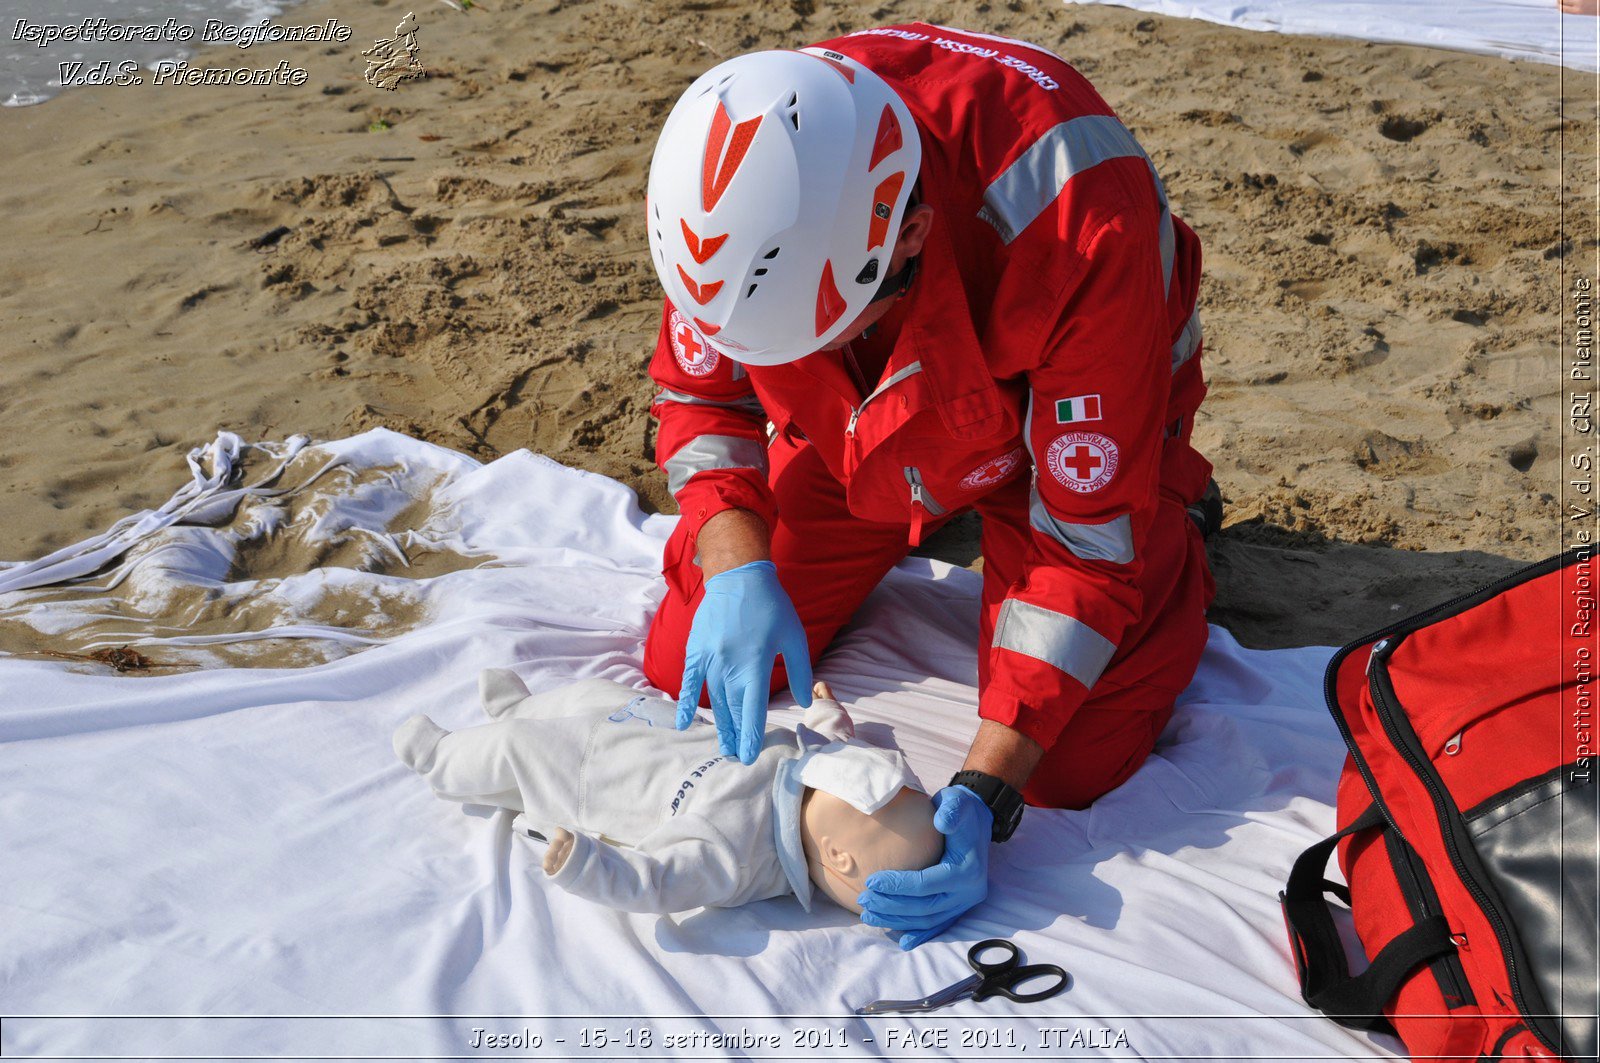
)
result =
(829, 561)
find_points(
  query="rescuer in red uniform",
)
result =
(947, 276)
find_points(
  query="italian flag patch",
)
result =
(1078, 408)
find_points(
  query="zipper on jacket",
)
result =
(1447, 814)
(922, 503)
(889, 382)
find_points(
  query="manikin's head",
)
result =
(844, 846)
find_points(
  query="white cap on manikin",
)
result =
(776, 192)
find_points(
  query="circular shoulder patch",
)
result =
(992, 471)
(695, 356)
(1082, 461)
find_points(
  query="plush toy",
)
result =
(647, 818)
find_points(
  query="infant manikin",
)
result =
(643, 817)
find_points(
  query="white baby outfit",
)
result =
(687, 827)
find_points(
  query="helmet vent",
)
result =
(751, 292)
(762, 272)
(773, 253)
(793, 107)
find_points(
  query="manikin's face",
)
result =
(843, 846)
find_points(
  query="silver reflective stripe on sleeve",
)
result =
(1057, 639)
(704, 453)
(748, 403)
(1027, 432)
(1188, 341)
(1168, 247)
(1032, 183)
(1111, 541)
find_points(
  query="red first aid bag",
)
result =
(1467, 824)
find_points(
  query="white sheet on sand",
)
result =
(1516, 29)
(238, 841)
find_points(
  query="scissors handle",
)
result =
(990, 968)
(1003, 984)
(1001, 976)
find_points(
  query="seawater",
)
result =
(30, 74)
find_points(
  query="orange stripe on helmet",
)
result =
(830, 304)
(883, 199)
(889, 139)
(718, 167)
(701, 249)
(701, 293)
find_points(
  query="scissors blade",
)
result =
(942, 998)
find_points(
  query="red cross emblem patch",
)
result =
(695, 356)
(1082, 461)
(992, 471)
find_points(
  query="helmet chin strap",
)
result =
(897, 283)
(893, 286)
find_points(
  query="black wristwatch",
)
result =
(1001, 797)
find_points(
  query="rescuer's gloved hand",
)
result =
(921, 905)
(743, 623)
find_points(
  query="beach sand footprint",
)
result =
(316, 560)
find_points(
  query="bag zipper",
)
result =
(1383, 699)
(889, 382)
(1416, 888)
(922, 503)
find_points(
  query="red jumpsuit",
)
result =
(1046, 374)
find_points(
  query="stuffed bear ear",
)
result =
(500, 689)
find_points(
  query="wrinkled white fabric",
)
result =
(1515, 29)
(244, 842)
(206, 499)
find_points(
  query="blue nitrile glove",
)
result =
(921, 905)
(744, 621)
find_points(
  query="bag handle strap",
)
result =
(1325, 981)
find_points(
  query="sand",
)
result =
(465, 261)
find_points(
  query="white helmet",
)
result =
(776, 193)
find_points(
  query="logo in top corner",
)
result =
(394, 59)
(695, 356)
(1082, 461)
